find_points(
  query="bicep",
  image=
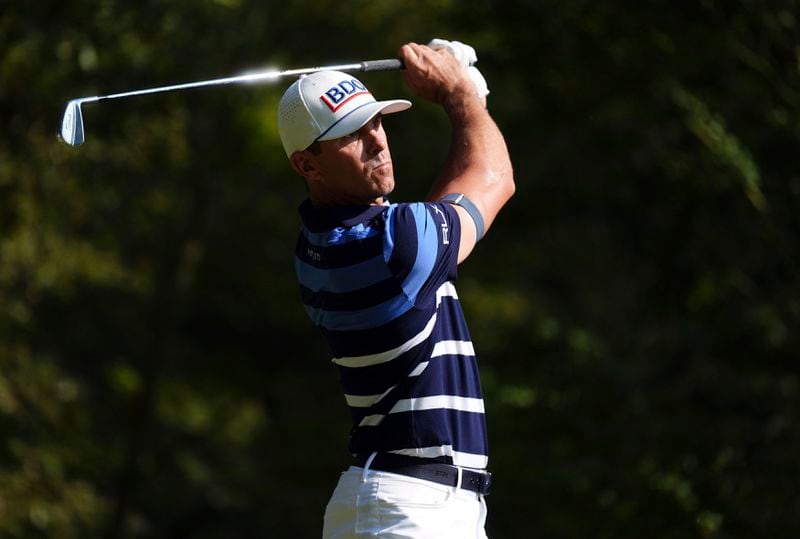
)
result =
(469, 233)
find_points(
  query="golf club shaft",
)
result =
(72, 131)
(370, 65)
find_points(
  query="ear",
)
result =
(305, 164)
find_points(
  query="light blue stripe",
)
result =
(363, 319)
(346, 279)
(427, 248)
(388, 233)
(340, 235)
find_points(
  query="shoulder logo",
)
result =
(445, 230)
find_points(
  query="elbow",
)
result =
(500, 181)
(510, 187)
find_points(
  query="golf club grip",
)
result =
(390, 64)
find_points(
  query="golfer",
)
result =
(378, 279)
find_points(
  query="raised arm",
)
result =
(478, 165)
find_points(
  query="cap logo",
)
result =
(338, 95)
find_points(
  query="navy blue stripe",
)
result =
(385, 404)
(450, 375)
(400, 435)
(347, 279)
(324, 219)
(398, 331)
(376, 378)
(465, 430)
(338, 255)
(451, 326)
(340, 235)
(370, 317)
(376, 340)
(358, 299)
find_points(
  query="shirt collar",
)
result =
(322, 219)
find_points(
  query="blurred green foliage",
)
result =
(635, 308)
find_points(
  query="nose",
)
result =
(374, 138)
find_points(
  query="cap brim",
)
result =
(358, 118)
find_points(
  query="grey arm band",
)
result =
(460, 200)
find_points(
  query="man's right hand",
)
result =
(436, 75)
(478, 165)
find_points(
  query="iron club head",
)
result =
(72, 123)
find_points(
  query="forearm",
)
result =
(478, 164)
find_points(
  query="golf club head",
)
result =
(72, 124)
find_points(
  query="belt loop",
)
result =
(460, 477)
(367, 465)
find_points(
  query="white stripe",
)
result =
(426, 452)
(383, 357)
(470, 460)
(371, 420)
(419, 369)
(453, 348)
(365, 401)
(460, 458)
(463, 404)
(445, 290)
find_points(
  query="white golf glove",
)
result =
(466, 56)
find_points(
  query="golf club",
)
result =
(72, 131)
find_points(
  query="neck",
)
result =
(332, 201)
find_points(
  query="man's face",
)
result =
(357, 168)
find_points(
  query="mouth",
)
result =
(381, 166)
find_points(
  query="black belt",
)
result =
(445, 474)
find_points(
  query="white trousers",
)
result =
(375, 504)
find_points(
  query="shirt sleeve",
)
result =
(421, 242)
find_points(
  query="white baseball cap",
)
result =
(327, 105)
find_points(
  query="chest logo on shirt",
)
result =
(313, 255)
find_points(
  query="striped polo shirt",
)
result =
(379, 283)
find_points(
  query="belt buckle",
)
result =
(487, 483)
(482, 481)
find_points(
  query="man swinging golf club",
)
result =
(378, 279)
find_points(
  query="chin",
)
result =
(387, 187)
(384, 184)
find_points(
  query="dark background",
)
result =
(635, 307)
